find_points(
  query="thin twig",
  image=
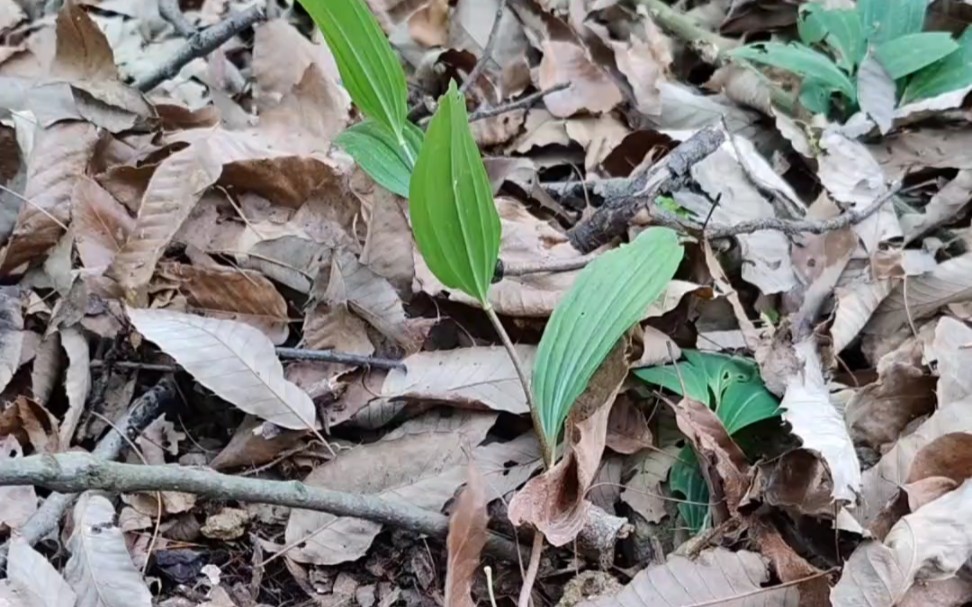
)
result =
(522, 103)
(201, 44)
(526, 591)
(170, 11)
(76, 472)
(339, 357)
(487, 50)
(504, 270)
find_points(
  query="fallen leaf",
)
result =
(46, 371)
(232, 359)
(944, 205)
(388, 245)
(951, 354)
(10, 14)
(930, 544)
(101, 224)
(33, 580)
(856, 302)
(643, 491)
(336, 328)
(467, 536)
(77, 381)
(281, 56)
(951, 592)
(17, 502)
(876, 92)
(11, 333)
(717, 577)
(947, 456)
(627, 430)
(100, 569)
(591, 89)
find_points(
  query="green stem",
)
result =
(546, 448)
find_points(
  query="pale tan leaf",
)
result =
(422, 463)
(101, 224)
(643, 491)
(856, 302)
(100, 569)
(82, 51)
(627, 430)
(310, 115)
(599, 136)
(34, 580)
(336, 328)
(717, 577)
(17, 502)
(876, 92)
(479, 376)
(46, 371)
(281, 56)
(930, 544)
(177, 184)
(59, 156)
(77, 381)
(234, 360)
(950, 350)
(11, 333)
(242, 295)
(591, 89)
(467, 536)
(388, 246)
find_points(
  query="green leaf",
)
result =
(377, 151)
(910, 53)
(744, 404)
(885, 20)
(815, 96)
(668, 377)
(609, 296)
(845, 35)
(809, 25)
(454, 218)
(801, 60)
(686, 482)
(950, 74)
(369, 68)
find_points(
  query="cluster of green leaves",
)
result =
(729, 385)
(456, 224)
(836, 42)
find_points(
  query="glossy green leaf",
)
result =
(671, 379)
(369, 69)
(685, 481)
(845, 35)
(816, 96)
(454, 218)
(809, 25)
(885, 20)
(800, 60)
(744, 404)
(908, 54)
(609, 296)
(379, 154)
(950, 74)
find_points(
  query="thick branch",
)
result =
(201, 44)
(77, 472)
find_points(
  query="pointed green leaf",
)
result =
(950, 74)
(845, 35)
(379, 154)
(454, 218)
(686, 482)
(369, 68)
(800, 60)
(744, 404)
(885, 20)
(815, 96)
(609, 296)
(809, 25)
(670, 378)
(908, 54)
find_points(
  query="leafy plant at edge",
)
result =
(729, 385)
(457, 227)
(923, 64)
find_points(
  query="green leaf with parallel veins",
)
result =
(845, 35)
(609, 296)
(950, 74)
(379, 154)
(686, 482)
(369, 68)
(672, 379)
(908, 54)
(809, 25)
(800, 60)
(454, 218)
(885, 20)
(816, 96)
(744, 404)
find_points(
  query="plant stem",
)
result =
(531, 573)
(524, 381)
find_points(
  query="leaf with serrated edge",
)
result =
(100, 569)
(234, 360)
(369, 69)
(34, 579)
(610, 295)
(454, 219)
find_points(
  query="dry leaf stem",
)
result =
(76, 472)
(487, 50)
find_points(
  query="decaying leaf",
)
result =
(591, 89)
(18, 502)
(77, 381)
(918, 297)
(33, 580)
(467, 536)
(11, 333)
(100, 223)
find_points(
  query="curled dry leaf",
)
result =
(627, 430)
(281, 56)
(591, 89)
(11, 333)
(232, 359)
(467, 536)
(717, 577)
(100, 569)
(336, 328)
(18, 502)
(77, 381)
(930, 544)
(33, 581)
(643, 491)
(388, 246)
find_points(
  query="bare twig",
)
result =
(339, 357)
(142, 412)
(170, 11)
(531, 573)
(76, 472)
(558, 265)
(487, 50)
(523, 102)
(201, 44)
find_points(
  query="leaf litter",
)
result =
(190, 229)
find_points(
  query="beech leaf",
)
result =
(467, 536)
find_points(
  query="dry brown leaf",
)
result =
(473, 377)
(554, 502)
(931, 544)
(232, 359)
(177, 184)
(336, 328)
(467, 536)
(790, 566)
(30, 423)
(46, 371)
(717, 577)
(643, 491)
(591, 89)
(101, 225)
(856, 301)
(948, 456)
(11, 333)
(309, 116)
(249, 448)
(231, 294)
(599, 136)
(922, 148)
(627, 430)
(77, 381)
(281, 56)
(421, 463)
(429, 26)
(17, 502)
(34, 582)
(59, 157)
(388, 246)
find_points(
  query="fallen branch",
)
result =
(523, 102)
(170, 11)
(339, 357)
(145, 409)
(487, 50)
(76, 472)
(504, 270)
(201, 44)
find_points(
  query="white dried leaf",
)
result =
(34, 580)
(77, 383)
(876, 92)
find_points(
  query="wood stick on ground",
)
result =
(201, 44)
(76, 472)
(487, 50)
(170, 11)
(522, 103)
(339, 357)
(145, 409)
